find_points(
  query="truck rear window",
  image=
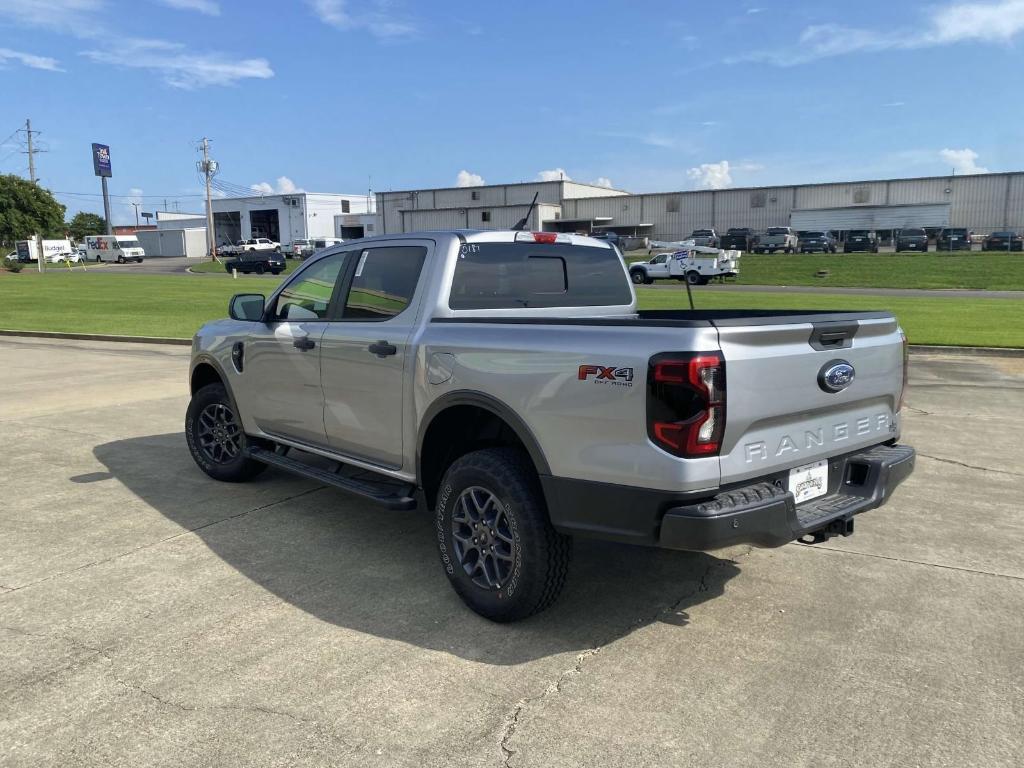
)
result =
(518, 275)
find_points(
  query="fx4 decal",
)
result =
(603, 374)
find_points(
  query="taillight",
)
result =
(686, 403)
(906, 369)
(543, 237)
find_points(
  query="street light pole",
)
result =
(136, 205)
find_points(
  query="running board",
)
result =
(386, 491)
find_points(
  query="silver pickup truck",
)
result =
(506, 382)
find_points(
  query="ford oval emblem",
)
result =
(835, 376)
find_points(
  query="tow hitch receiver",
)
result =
(841, 527)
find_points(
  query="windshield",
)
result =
(912, 233)
(1003, 234)
(737, 231)
(520, 275)
(859, 233)
(703, 232)
(956, 231)
(778, 231)
(814, 234)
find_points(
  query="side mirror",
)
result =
(247, 306)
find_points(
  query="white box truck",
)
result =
(28, 250)
(119, 248)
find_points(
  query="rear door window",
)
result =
(519, 275)
(384, 282)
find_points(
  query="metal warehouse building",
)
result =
(300, 215)
(983, 203)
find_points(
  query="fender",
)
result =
(487, 403)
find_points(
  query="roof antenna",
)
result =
(521, 224)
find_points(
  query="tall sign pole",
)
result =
(208, 168)
(101, 168)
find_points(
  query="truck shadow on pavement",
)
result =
(354, 565)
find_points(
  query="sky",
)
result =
(348, 95)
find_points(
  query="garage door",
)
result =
(871, 217)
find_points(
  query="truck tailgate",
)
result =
(778, 414)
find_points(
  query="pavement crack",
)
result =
(918, 410)
(971, 466)
(158, 542)
(962, 569)
(512, 720)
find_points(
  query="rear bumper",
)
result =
(762, 512)
(766, 515)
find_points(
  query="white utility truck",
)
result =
(119, 248)
(696, 264)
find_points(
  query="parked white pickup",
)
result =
(693, 263)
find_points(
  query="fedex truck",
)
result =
(119, 248)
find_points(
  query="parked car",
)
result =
(817, 241)
(737, 239)
(912, 239)
(777, 239)
(705, 237)
(299, 248)
(861, 240)
(1003, 241)
(953, 239)
(261, 244)
(322, 243)
(522, 406)
(257, 261)
(59, 258)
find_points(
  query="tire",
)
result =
(120, 259)
(275, 271)
(260, 269)
(224, 458)
(638, 276)
(693, 278)
(99, 260)
(499, 485)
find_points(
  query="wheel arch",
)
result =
(477, 420)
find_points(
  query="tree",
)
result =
(27, 209)
(84, 224)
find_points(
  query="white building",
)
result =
(284, 218)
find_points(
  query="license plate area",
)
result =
(809, 481)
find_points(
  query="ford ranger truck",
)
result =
(507, 383)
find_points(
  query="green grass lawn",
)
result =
(986, 271)
(175, 306)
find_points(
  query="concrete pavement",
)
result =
(149, 616)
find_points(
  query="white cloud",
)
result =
(180, 67)
(957, 22)
(208, 7)
(964, 161)
(712, 175)
(467, 179)
(380, 20)
(893, 104)
(554, 174)
(285, 186)
(752, 11)
(602, 181)
(69, 15)
(29, 60)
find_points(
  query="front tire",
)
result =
(215, 437)
(638, 277)
(496, 542)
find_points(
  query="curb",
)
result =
(935, 349)
(98, 337)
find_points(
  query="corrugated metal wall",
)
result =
(983, 203)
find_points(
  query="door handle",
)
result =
(304, 343)
(383, 349)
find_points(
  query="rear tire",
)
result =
(260, 269)
(215, 437)
(693, 278)
(120, 259)
(638, 277)
(517, 567)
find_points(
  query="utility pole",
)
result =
(136, 214)
(32, 150)
(208, 168)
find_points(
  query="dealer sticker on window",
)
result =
(809, 481)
